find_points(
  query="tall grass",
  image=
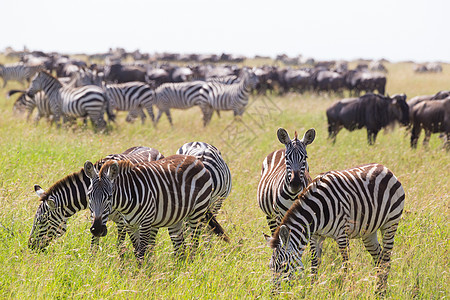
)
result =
(42, 155)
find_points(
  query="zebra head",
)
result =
(100, 194)
(49, 222)
(37, 84)
(250, 78)
(296, 156)
(286, 259)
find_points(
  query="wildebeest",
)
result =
(118, 73)
(433, 116)
(372, 111)
(363, 81)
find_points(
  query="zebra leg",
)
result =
(343, 244)
(95, 243)
(316, 251)
(176, 233)
(272, 222)
(372, 246)
(388, 232)
(169, 116)
(147, 236)
(158, 116)
(207, 111)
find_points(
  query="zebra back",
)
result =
(69, 195)
(234, 96)
(181, 95)
(215, 164)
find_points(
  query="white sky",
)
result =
(323, 29)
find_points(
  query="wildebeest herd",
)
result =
(68, 88)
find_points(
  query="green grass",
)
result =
(43, 154)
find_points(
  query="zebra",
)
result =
(169, 193)
(18, 72)
(180, 95)
(69, 195)
(229, 79)
(229, 96)
(217, 167)
(28, 104)
(72, 102)
(285, 173)
(342, 205)
(131, 96)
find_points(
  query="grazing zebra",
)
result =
(165, 193)
(131, 96)
(69, 195)
(87, 101)
(284, 175)
(229, 96)
(28, 104)
(180, 95)
(18, 72)
(218, 169)
(342, 205)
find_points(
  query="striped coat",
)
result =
(343, 205)
(87, 101)
(166, 193)
(285, 173)
(18, 72)
(69, 195)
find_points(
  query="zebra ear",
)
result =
(309, 136)
(89, 170)
(113, 171)
(283, 136)
(284, 235)
(39, 191)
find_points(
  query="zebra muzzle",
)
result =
(98, 229)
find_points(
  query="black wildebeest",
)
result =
(372, 111)
(433, 116)
(118, 73)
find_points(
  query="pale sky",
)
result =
(323, 29)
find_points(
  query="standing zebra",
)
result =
(180, 95)
(284, 175)
(229, 96)
(217, 167)
(69, 195)
(28, 104)
(342, 205)
(87, 101)
(131, 96)
(18, 72)
(163, 193)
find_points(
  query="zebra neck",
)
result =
(301, 233)
(71, 193)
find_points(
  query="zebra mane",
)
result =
(275, 240)
(62, 182)
(124, 165)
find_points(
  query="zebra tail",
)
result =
(12, 92)
(215, 227)
(109, 111)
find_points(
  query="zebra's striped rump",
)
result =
(69, 195)
(342, 205)
(164, 193)
(218, 169)
(284, 175)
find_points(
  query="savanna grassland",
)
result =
(43, 154)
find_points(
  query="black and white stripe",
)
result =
(284, 175)
(69, 195)
(28, 104)
(217, 167)
(87, 101)
(132, 97)
(18, 72)
(166, 193)
(342, 205)
(180, 95)
(233, 97)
